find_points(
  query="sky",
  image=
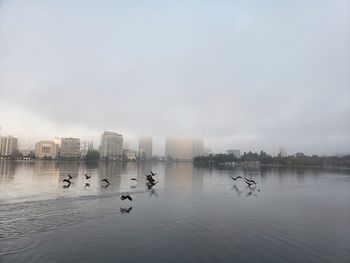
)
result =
(246, 75)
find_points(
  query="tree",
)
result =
(92, 156)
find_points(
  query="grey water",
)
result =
(193, 214)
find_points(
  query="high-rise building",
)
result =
(145, 148)
(85, 147)
(111, 146)
(46, 149)
(236, 153)
(70, 148)
(198, 147)
(179, 148)
(8, 145)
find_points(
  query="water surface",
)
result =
(194, 214)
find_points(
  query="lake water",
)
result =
(193, 214)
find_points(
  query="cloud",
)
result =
(241, 75)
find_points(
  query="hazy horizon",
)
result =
(249, 76)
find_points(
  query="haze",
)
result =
(249, 75)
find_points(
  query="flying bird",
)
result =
(87, 177)
(133, 179)
(153, 174)
(235, 178)
(70, 177)
(67, 181)
(249, 180)
(149, 178)
(105, 180)
(123, 197)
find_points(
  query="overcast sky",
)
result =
(241, 74)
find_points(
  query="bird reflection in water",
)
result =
(87, 185)
(124, 210)
(238, 191)
(249, 189)
(153, 192)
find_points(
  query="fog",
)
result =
(249, 75)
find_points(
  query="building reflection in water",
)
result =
(178, 175)
(7, 171)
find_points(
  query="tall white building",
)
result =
(111, 146)
(8, 145)
(183, 148)
(145, 148)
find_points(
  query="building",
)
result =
(111, 146)
(57, 141)
(8, 145)
(198, 147)
(85, 147)
(236, 153)
(179, 148)
(46, 149)
(129, 155)
(145, 148)
(70, 148)
(282, 152)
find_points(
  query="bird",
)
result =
(149, 178)
(105, 180)
(87, 177)
(70, 177)
(87, 185)
(151, 184)
(66, 186)
(67, 181)
(153, 174)
(238, 177)
(249, 180)
(124, 210)
(123, 197)
(133, 179)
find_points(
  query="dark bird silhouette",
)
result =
(133, 179)
(124, 210)
(123, 197)
(153, 174)
(66, 186)
(70, 177)
(249, 180)
(150, 178)
(238, 177)
(67, 181)
(151, 184)
(87, 177)
(87, 185)
(105, 180)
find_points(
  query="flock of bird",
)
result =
(149, 184)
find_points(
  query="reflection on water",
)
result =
(193, 214)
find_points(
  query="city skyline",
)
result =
(160, 69)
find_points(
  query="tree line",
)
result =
(266, 159)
